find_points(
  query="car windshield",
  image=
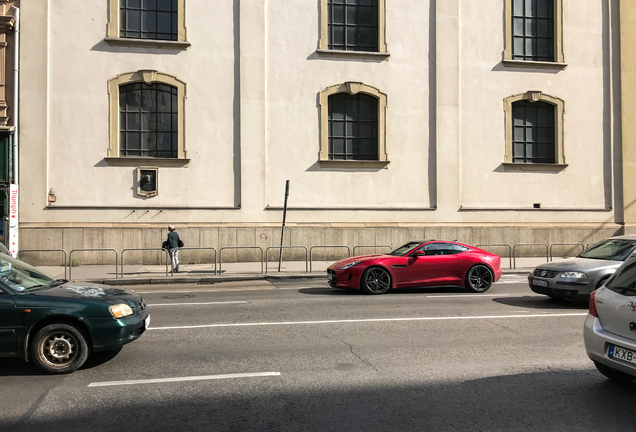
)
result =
(624, 280)
(611, 249)
(20, 276)
(404, 249)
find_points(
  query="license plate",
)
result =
(622, 354)
(147, 322)
(331, 276)
(539, 283)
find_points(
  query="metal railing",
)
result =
(336, 246)
(286, 247)
(90, 250)
(142, 249)
(377, 246)
(500, 245)
(565, 244)
(47, 250)
(238, 247)
(202, 248)
(514, 251)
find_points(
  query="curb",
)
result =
(233, 278)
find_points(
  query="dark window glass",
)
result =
(148, 120)
(533, 30)
(533, 134)
(353, 127)
(148, 19)
(353, 25)
(624, 280)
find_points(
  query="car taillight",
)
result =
(593, 310)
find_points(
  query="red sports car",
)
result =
(418, 264)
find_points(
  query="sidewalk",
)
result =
(205, 273)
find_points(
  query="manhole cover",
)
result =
(177, 296)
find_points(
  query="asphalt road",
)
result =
(299, 356)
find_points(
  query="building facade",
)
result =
(489, 122)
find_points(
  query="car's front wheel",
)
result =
(479, 279)
(613, 374)
(376, 280)
(59, 348)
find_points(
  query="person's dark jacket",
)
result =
(173, 240)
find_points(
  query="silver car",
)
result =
(610, 327)
(576, 278)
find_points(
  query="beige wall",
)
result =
(253, 77)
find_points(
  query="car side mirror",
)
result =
(418, 254)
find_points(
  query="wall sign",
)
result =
(148, 181)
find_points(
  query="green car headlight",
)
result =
(120, 310)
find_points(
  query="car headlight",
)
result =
(573, 275)
(346, 266)
(120, 310)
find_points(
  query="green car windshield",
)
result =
(20, 276)
(611, 249)
(404, 249)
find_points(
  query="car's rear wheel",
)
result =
(59, 348)
(613, 374)
(376, 280)
(479, 278)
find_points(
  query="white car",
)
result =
(610, 327)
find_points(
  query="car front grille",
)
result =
(548, 274)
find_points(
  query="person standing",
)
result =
(173, 248)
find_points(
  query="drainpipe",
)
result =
(16, 77)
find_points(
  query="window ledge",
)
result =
(353, 164)
(147, 43)
(510, 166)
(352, 54)
(141, 161)
(534, 64)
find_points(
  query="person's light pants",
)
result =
(174, 257)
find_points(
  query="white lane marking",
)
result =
(469, 295)
(367, 320)
(181, 379)
(182, 304)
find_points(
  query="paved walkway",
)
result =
(197, 273)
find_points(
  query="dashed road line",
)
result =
(370, 320)
(182, 379)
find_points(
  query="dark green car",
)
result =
(57, 324)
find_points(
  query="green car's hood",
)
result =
(84, 293)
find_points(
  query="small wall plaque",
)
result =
(148, 181)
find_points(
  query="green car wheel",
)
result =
(59, 348)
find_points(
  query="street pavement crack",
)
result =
(358, 356)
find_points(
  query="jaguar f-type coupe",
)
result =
(418, 264)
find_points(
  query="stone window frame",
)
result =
(559, 58)
(146, 77)
(113, 37)
(559, 113)
(323, 43)
(352, 88)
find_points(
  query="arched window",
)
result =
(353, 127)
(533, 132)
(147, 116)
(148, 123)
